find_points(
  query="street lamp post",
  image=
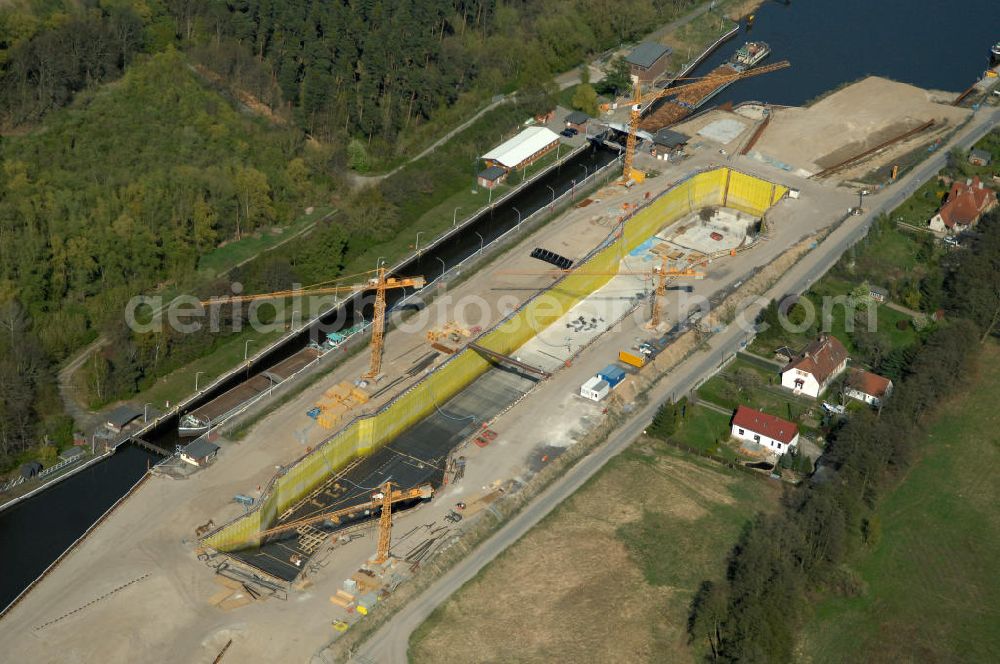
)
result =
(454, 217)
(443, 266)
(246, 348)
(145, 413)
(417, 246)
(518, 216)
(586, 173)
(552, 204)
(481, 241)
(196, 380)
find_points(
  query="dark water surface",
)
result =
(932, 44)
(939, 45)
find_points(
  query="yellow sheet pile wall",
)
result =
(364, 435)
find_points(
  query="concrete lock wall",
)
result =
(365, 434)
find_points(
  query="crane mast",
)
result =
(638, 100)
(378, 328)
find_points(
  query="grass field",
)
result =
(932, 584)
(232, 254)
(921, 206)
(692, 38)
(723, 390)
(609, 575)
(885, 323)
(702, 428)
(227, 354)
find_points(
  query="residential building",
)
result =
(814, 368)
(121, 417)
(965, 204)
(648, 61)
(766, 430)
(71, 453)
(490, 177)
(522, 150)
(868, 387)
(667, 142)
(577, 120)
(200, 452)
(979, 157)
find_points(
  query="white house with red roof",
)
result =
(766, 430)
(965, 203)
(815, 367)
(867, 387)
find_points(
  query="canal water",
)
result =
(927, 43)
(35, 532)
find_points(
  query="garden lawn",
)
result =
(931, 580)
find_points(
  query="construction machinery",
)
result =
(382, 499)
(640, 101)
(380, 283)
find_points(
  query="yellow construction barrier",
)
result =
(365, 434)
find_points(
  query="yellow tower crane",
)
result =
(660, 272)
(383, 499)
(384, 524)
(379, 283)
(639, 101)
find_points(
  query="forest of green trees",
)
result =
(136, 136)
(784, 559)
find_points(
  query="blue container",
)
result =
(613, 374)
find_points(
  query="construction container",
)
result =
(638, 361)
(595, 389)
(612, 374)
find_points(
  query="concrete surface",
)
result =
(389, 644)
(166, 616)
(850, 121)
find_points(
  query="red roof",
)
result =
(868, 383)
(966, 202)
(820, 358)
(766, 425)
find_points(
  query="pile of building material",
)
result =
(337, 402)
(233, 594)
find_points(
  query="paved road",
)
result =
(389, 644)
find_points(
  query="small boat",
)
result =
(749, 55)
(996, 50)
(192, 425)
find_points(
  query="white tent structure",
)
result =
(524, 147)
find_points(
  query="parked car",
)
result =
(566, 133)
(573, 131)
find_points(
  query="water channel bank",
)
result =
(92, 491)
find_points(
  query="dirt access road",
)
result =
(389, 644)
